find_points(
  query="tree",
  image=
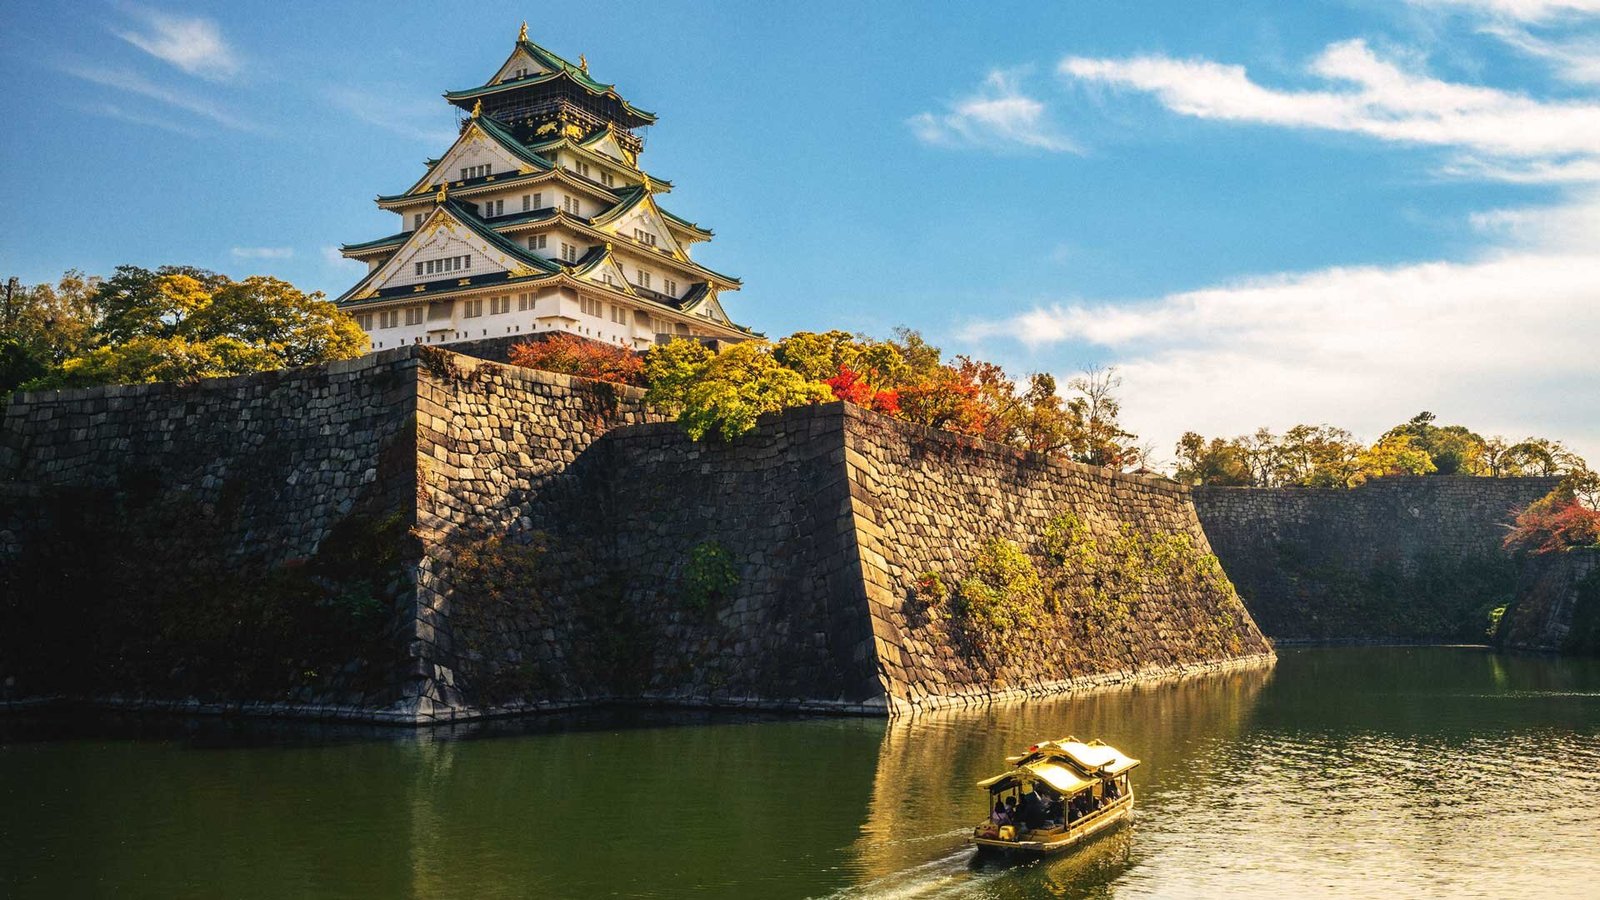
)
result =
(42, 325)
(182, 324)
(573, 355)
(726, 392)
(1214, 462)
(1394, 454)
(1453, 449)
(1098, 439)
(1567, 517)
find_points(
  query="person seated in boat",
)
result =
(1032, 809)
(1011, 809)
(1001, 816)
(1056, 811)
(1110, 789)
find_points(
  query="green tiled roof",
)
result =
(560, 68)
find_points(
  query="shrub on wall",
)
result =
(1000, 594)
(709, 576)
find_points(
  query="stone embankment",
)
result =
(1557, 606)
(420, 536)
(1409, 559)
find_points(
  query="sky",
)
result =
(1260, 213)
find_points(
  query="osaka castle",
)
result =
(538, 219)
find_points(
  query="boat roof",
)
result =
(1093, 758)
(1074, 763)
(1066, 779)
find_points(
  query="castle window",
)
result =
(537, 241)
(583, 169)
(670, 287)
(644, 278)
(524, 302)
(419, 268)
(389, 318)
(538, 201)
(606, 277)
(472, 308)
(607, 180)
(466, 262)
(619, 315)
(416, 221)
(498, 305)
(591, 307)
(570, 205)
(527, 202)
(364, 320)
(431, 265)
(413, 315)
(569, 252)
(499, 207)
(644, 237)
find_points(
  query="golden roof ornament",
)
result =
(477, 108)
(523, 34)
(444, 192)
(583, 63)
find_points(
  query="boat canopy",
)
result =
(1093, 758)
(1063, 778)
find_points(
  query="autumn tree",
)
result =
(573, 355)
(42, 325)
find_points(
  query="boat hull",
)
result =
(1060, 842)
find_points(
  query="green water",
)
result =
(1349, 771)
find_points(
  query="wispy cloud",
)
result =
(396, 111)
(192, 43)
(1497, 133)
(999, 116)
(133, 83)
(1575, 59)
(262, 252)
(1519, 10)
(113, 111)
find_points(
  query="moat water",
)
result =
(1381, 772)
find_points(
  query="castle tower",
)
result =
(538, 219)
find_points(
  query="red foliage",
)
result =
(851, 386)
(1555, 523)
(573, 355)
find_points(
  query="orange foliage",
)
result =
(852, 386)
(1553, 523)
(572, 355)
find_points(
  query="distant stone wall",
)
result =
(421, 536)
(1395, 559)
(1557, 606)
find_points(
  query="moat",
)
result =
(1422, 771)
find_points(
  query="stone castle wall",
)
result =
(1396, 558)
(1557, 606)
(926, 501)
(481, 539)
(127, 513)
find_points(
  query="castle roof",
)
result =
(560, 72)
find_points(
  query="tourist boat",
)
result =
(1078, 790)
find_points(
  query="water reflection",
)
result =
(924, 802)
(1349, 771)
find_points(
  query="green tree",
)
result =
(726, 392)
(182, 324)
(42, 325)
(1394, 454)
(1453, 449)
(1214, 462)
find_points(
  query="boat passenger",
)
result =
(1032, 810)
(1001, 816)
(1110, 789)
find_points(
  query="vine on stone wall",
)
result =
(1096, 580)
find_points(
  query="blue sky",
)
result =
(1260, 212)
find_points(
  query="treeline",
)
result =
(175, 323)
(723, 393)
(1325, 456)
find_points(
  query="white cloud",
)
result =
(1519, 10)
(1496, 133)
(262, 252)
(192, 43)
(998, 117)
(133, 83)
(1505, 343)
(1576, 59)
